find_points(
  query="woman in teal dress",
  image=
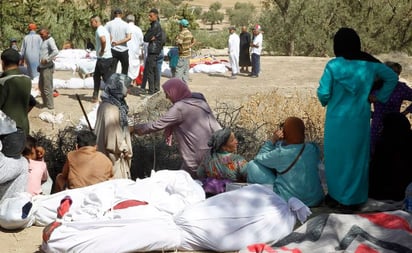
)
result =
(223, 165)
(344, 89)
(289, 164)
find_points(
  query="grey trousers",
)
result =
(46, 87)
(182, 69)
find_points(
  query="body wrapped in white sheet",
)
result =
(232, 220)
(176, 217)
(168, 191)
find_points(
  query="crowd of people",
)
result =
(357, 153)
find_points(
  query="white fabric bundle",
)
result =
(16, 212)
(176, 216)
(91, 225)
(208, 68)
(232, 220)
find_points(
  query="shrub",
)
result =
(252, 122)
(209, 39)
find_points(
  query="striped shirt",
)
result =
(184, 41)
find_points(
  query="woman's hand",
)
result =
(277, 135)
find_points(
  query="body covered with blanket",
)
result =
(167, 211)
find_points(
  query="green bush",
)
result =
(210, 39)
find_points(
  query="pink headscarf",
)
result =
(176, 89)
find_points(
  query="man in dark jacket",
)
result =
(15, 90)
(154, 37)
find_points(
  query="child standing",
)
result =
(173, 56)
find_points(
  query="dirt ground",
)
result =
(277, 72)
(282, 73)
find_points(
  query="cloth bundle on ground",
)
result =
(16, 212)
(174, 216)
(232, 220)
(168, 191)
(76, 59)
(372, 232)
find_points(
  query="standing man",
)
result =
(14, 90)
(256, 51)
(184, 41)
(103, 69)
(48, 51)
(233, 48)
(30, 51)
(154, 37)
(244, 54)
(135, 48)
(119, 35)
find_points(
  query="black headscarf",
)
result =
(219, 139)
(115, 92)
(347, 44)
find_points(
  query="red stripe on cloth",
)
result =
(260, 248)
(48, 230)
(388, 221)
(365, 249)
(291, 250)
(264, 248)
(64, 207)
(129, 203)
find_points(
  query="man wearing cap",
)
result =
(103, 69)
(184, 41)
(233, 50)
(30, 51)
(154, 37)
(15, 90)
(48, 51)
(119, 35)
(256, 46)
(14, 168)
(135, 47)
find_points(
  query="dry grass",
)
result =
(251, 122)
(263, 113)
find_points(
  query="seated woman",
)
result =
(390, 168)
(223, 165)
(290, 164)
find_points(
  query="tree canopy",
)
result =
(306, 27)
(290, 27)
(213, 15)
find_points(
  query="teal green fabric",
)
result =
(344, 89)
(301, 181)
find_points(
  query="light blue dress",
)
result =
(301, 181)
(344, 88)
(30, 51)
